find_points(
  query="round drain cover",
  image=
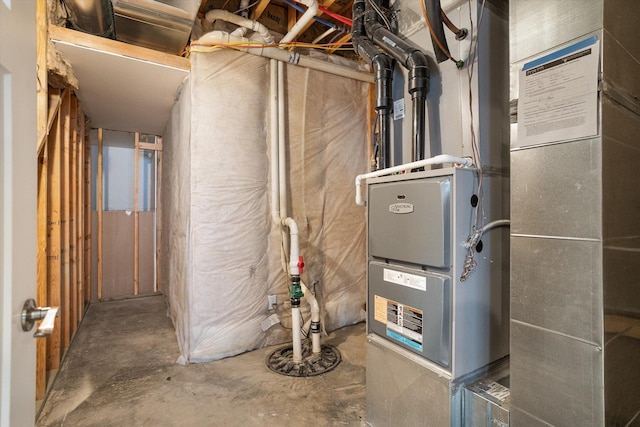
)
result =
(280, 361)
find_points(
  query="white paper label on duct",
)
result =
(269, 322)
(405, 279)
(398, 109)
(401, 208)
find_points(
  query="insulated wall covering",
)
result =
(221, 249)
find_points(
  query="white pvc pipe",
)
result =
(273, 130)
(216, 37)
(311, 12)
(315, 317)
(323, 35)
(297, 336)
(224, 15)
(282, 159)
(437, 160)
(294, 247)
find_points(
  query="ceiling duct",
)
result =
(91, 16)
(161, 25)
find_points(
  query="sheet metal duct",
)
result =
(161, 25)
(91, 16)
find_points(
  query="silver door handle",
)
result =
(31, 314)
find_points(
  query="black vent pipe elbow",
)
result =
(418, 74)
(414, 60)
(383, 74)
(410, 56)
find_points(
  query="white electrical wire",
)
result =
(380, 13)
(479, 213)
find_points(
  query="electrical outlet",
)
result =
(273, 301)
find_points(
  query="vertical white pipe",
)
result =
(315, 317)
(294, 247)
(273, 130)
(282, 159)
(297, 336)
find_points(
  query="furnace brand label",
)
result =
(404, 323)
(401, 208)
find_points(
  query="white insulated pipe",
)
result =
(437, 160)
(224, 15)
(311, 12)
(285, 56)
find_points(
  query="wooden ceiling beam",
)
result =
(327, 4)
(259, 9)
(340, 42)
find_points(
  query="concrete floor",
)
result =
(120, 371)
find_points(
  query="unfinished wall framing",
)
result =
(221, 249)
(126, 170)
(63, 180)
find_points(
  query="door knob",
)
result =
(31, 313)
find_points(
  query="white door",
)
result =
(18, 162)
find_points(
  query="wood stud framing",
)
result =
(64, 214)
(62, 221)
(41, 256)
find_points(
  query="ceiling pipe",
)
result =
(312, 11)
(382, 66)
(224, 15)
(414, 60)
(220, 37)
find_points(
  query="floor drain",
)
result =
(281, 361)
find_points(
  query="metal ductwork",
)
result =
(163, 25)
(91, 16)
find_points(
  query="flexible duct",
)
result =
(436, 29)
(312, 10)
(220, 37)
(383, 74)
(437, 160)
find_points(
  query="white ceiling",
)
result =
(122, 87)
